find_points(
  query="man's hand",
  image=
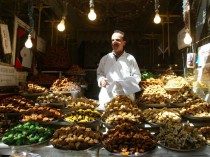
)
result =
(104, 82)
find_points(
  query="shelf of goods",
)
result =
(142, 117)
(46, 149)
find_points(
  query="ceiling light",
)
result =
(61, 25)
(157, 18)
(92, 14)
(186, 18)
(187, 38)
(28, 43)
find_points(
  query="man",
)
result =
(116, 68)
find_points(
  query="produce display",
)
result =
(154, 94)
(15, 104)
(180, 137)
(167, 75)
(175, 91)
(161, 116)
(126, 139)
(177, 82)
(27, 134)
(164, 103)
(83, 115)
(82, 103)
(151, 81)
(196, 107)
(41, 114)
(129, 115)
(180, 96)
(120, 102)
(55, 97)
(31, 88)
(200, 109)
(75, 137)
(5, 125)
(121, 109)
(205, 131)
(64, 84)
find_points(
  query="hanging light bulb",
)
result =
(61, 25)
(28, 43)
(187, 38)
(92, 15)
(157, 18)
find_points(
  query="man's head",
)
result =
(118, 42)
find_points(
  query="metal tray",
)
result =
(33, 94)
(178, 150)
(31, 145)
(92, 147)
(177, 104)
(196, 118)
(48, 122)
(132, 155)
(109, 126)
(155, 124)
(155, 105)
(59, 104)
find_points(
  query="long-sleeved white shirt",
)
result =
(113, 70)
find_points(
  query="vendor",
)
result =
(115, 68)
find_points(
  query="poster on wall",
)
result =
(191, 60)
(6, 44)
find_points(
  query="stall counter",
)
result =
(49, 151)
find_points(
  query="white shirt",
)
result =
(112, 69)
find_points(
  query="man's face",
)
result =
(117, 43)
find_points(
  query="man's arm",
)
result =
(101, 78)
(135, 72)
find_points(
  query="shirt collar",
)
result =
(115, 56)
(120, 55)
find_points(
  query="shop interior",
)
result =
(56, 45)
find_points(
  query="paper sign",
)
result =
(5, 39)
